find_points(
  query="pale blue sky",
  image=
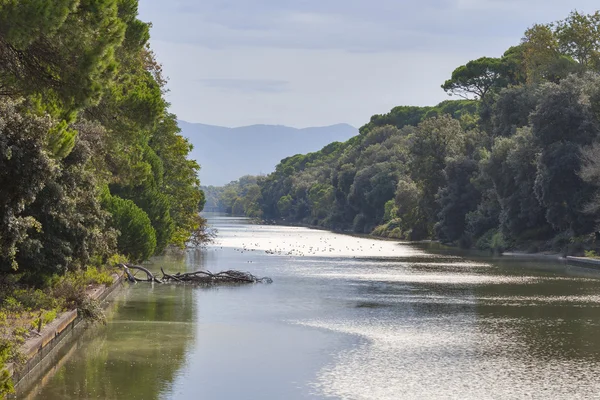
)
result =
(320, 62)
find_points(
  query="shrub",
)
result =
(137, 239)
(35, 299)
(562, 241)
(96, 276)
(492, 240)
(497, 243)
(483, 243)
(591, 254)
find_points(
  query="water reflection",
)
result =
(137, 355)
(347, 318)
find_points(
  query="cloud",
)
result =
(351, 25)
(247, 85)
(320, 62)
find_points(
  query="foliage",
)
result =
(515, 163)
(82, 107)
(579, 37)
(457, 198)
(25, 169)
(591, 254)
(137, 238)
(241, 197)
(476, 78)
(92, 164)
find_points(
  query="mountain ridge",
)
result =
(225, 153)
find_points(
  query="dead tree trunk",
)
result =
(197, 277)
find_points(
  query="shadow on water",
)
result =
(137, 355)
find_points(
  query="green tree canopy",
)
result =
(476, 78)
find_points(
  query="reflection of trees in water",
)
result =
(137, 355)
(541, 317)
(195, 259)
(418, 299)
(546, 320)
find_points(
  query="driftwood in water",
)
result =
(208, 278)
(197, 277)
(132, 278)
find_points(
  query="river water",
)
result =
(346, 318)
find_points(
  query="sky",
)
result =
(320, 62)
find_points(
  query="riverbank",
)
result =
(580, 261)
(34, 322)
(414, 319)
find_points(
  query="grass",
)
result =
(24, 310)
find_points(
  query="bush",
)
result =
(492, 240)
(483, 243)
(591, 254)
(138, 238)
(35, 299)
(45, 317)
(396, 233)
(116, 260)
(497, 243)
(71, 289)
(97, 276)
(562, 242)
(380, 230)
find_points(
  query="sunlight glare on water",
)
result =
(346, 318)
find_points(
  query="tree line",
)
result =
(91, 160)
(515, 160)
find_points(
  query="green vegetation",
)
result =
(239, 198)
(91, 162)
(26, 310)
(512, 165)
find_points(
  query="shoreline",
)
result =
(584, 262)
(37, 348)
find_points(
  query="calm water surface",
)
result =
(346, 318)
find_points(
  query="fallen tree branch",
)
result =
(208, 278)
(197, 277)
(132, 278)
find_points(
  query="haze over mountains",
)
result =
(226, 154)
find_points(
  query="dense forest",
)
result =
(514, 161)
(92, 166)
(91, 160)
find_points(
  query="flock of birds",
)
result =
(307, 246)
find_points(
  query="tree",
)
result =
(69, 58)
(457, 198)
(512, 167)
(321, 199)
(590, 173)
(25, 169)
(435, 140)
(543, 59)
(82, 108)
(74, 225)
(137, 238)
(579, 37)
(476, 78)
(560, 189)
(512, 108)
(563, 122)
(412, 220)
(180, 181)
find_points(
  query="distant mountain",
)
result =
(226, 154)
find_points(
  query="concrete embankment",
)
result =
(35, 349)
(584, 261)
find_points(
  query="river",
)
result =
(346, 318)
